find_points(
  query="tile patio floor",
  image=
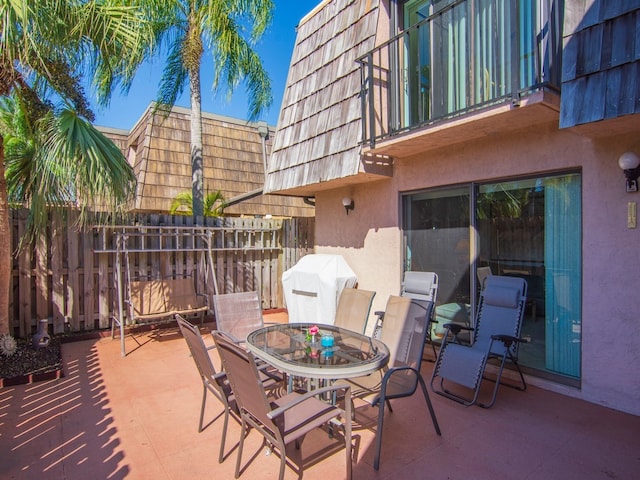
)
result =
(136, 418)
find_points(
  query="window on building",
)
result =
(529, 228)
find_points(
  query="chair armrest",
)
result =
(220, 376)
(268, 369)
(389, 373)
(230, 337)
(314, 393)
(508, 339)
(456, 328)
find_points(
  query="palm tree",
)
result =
(46, 46)
(183, 28)
(213, 204)
(59, 161)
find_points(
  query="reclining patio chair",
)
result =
(353, 309)
(404, 332)
(418, 286)
(284, 420)
(496, 336)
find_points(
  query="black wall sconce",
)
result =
(629, 162)
(348, 204)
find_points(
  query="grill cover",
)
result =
(313, 285)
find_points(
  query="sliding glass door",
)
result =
(438, 240)
(530, 228)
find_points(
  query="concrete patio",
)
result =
(136, 418)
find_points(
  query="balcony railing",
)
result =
(466, 56)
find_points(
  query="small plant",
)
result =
(8, 345)
(214, 204)
(311, 333)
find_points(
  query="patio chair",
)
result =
(496, 336)
(284, 420)
(404, 331)
(214, 382)
(353, 309)
(418, 286)
(238, 314)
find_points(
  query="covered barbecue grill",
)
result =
(313, 286)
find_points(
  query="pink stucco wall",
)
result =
(371, 241)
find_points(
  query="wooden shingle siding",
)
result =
(159, 151)
(319, 125)
(601, 61)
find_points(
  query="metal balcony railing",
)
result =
(468, 55)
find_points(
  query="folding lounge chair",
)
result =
(420, 285)
(404, 331)
(496, 335)
(353, 309)
(284, 420)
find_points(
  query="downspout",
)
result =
(263, 131)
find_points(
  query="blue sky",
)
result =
(275, 49)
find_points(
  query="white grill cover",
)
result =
(313, 285)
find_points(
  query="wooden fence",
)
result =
(68, 276)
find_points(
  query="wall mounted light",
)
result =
(347, 203)
(629, 162)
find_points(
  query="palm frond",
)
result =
(174, 79)
(63, 160)
(214, 204)
(235, 59)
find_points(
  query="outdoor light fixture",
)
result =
(263, 129)
(629, 162)
(348, 204)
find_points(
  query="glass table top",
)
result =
(335, 353)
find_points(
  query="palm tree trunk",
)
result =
(5, 247)
(197, 188)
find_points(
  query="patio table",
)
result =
(350, 354)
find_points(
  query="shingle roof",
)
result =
(159, 151)
(319, 128)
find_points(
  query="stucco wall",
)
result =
(371, 240)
